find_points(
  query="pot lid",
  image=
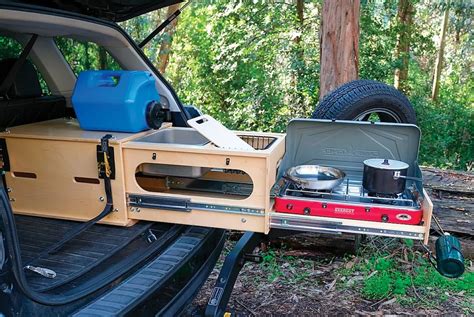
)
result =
(386, 164)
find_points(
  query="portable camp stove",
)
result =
(349, 200)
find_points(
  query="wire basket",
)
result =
(258, 142)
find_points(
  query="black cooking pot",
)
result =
(384, 176)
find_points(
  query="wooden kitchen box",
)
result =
(53, 171)
(168, 175)
(225, 188)
(175, 175)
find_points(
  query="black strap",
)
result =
(105, 171)
(8, 81)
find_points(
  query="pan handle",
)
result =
(294, 181)
(288, 178)
(397, 175)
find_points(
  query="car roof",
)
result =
(112, 10)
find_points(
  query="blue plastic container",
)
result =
(114, 100)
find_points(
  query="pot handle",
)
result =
(397, 175)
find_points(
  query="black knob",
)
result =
(289, 206)
(384, 218)
(156, 114)
(307, 210)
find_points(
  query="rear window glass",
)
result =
(83, 55)
(10, 48)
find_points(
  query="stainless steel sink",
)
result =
(182, 136)
(176, 136)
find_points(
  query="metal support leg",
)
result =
(233, 263)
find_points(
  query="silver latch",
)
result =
(41, 271)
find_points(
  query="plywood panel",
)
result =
(427, 215)
(261, 166)
(55, 192)
(203, 218)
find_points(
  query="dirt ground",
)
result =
(308, 282)
(306, 275)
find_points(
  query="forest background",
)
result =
(255, 65)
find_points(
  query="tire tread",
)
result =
(337, 104)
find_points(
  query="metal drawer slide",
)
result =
(334, 226)
(185, 205)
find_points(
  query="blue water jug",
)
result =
(120, 101)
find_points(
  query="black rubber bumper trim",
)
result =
(184, 298)
(125, 296)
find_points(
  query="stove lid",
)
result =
(347, 144)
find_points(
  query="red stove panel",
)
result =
(376, 213)
(349, 200)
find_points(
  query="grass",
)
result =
(285, 269)
(403, 273)
(385, 269)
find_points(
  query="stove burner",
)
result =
(393, 196)
(351, 191)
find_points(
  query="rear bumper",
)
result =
(165, 284)
(148, 291)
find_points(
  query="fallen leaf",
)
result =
(372, 274)
(389, 302)
(331, 286)
(349, 265)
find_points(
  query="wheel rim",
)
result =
(383, 115)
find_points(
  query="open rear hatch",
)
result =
(112, 10)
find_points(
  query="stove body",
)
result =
(348, 207)
(350, 201)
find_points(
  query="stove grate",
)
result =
(351, 190)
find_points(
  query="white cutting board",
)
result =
(215, 132)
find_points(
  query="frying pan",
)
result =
(315, 177)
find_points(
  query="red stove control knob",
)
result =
(307, 210)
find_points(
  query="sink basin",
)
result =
(176, 136)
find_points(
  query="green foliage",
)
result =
(254, 65)
(387, 276)
(427, 276)
(288, 269)
(448, 131)
(9, 48)
(242, 62)
(83, 55)
(271, 265)
(377, 286)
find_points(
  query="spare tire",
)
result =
(366, 100)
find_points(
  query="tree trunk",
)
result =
(165, 47)
(300, 15)
(439, 59)
(102, 58)
(298, 53)
(339, 49)
(402, 51)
